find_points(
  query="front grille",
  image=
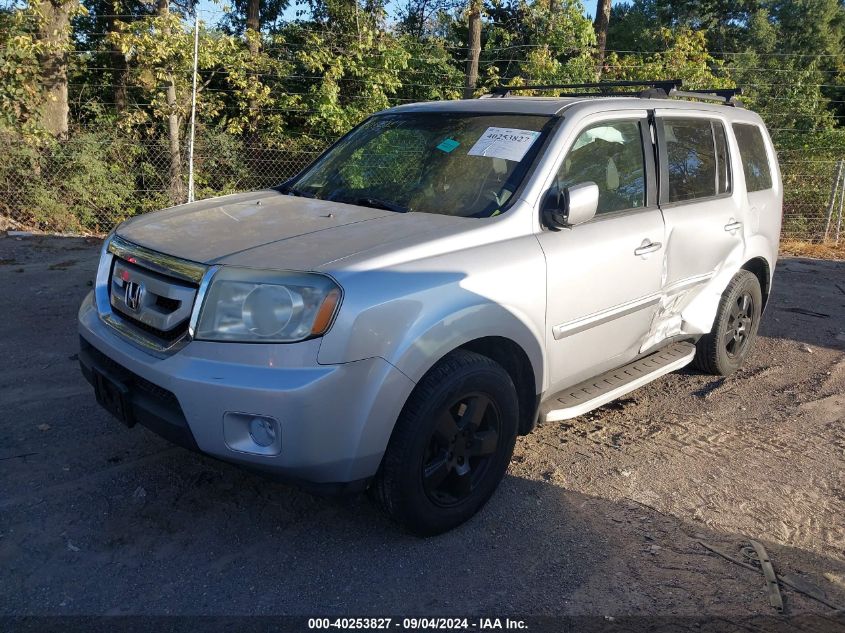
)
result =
(168, 304)
(168, 337)
(151, 302)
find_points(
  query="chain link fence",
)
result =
(813, 196)
(95, 180)
(92, 182)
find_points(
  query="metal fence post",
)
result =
(834, 190)
(193, 107)
(839, 221)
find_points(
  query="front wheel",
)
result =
(722, 351)
(451, 446)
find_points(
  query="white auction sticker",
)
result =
(503, 142)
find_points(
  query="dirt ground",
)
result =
(601, 515)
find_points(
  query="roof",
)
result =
(555, 106)
(511, 105)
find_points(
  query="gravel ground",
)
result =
(601, 515)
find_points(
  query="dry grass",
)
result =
(818, 250)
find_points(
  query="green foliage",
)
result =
(682, 55)
(19, 70)
(79, 186)
(353, 69)
(431, 73)
(268, 102)
(539, 42)
(26, 39)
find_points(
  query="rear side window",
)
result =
(696, 159)
(755, 160)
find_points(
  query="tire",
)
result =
(723, 350)
(430, 483)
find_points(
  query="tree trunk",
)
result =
(600, 25)
(474, 46)
(253, 23)
(176, 186)
(54, 34)
(119, 67)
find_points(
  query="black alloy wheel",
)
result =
(465, 438)
(723, 350)
(740, 325)
(451, 445)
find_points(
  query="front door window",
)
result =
(610, 154)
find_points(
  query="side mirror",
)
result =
(574, 205)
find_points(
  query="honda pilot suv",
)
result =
(438, 281)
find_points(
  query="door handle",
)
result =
(733, 226)
(647, 247)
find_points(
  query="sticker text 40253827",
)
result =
(502, 142)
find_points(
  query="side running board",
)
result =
(591, 394)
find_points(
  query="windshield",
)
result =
(453, 164)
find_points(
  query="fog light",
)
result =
(262, 431)
(251, 433)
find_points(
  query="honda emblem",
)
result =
(134, 293)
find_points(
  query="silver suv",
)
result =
(443, 277)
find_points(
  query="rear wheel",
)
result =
(451, 445)
(722, 351)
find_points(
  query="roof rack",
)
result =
(662, 89)
(728, 96)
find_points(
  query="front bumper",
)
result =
(335, 420)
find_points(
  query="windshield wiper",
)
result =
(377, 203)
(291, 191)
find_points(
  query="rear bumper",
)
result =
(335, 420)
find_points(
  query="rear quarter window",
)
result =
(691, 159)
(755, 159)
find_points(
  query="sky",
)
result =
(212, 10)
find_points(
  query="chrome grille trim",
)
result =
(141, 339)
(178, 269)
(157, 262)
(200, 299)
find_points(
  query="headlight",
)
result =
(267, 306)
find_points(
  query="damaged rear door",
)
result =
(703, 216)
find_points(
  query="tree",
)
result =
(344, 66)
(600, 24)
(539, 42)
(177, 185)
(54, 37)
(123, 95)
(473, 46)
(431, 73)
(636, 25)
(682, 54)
(94, 32)
(119, 70)
(418, 18)
(20, 72)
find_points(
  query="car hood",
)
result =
(273, 230)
